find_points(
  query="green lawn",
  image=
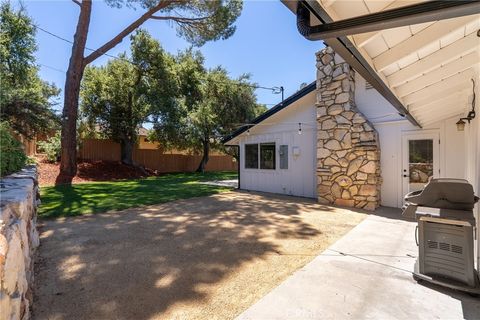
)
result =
(95, 197)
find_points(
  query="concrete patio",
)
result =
(365, 275)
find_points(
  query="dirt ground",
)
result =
(89, 171)
(202, 258)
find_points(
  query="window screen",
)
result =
(284, 157)
(267, 156)
(251, 156)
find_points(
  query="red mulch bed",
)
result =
(90, 171)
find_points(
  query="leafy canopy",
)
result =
(197, 21)
(25, 100)
(211, 105)
(119, 96)
(12, 157)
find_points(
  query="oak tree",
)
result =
(211, 105)
(119, 97)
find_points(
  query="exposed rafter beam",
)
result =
(435, 101)
(328, 3)
(437, 106)
(441, 116)
(458, 82)
(453, 104)
(438, 74)
(364, 38)
(420, 40)
(346, 49)
(408, 15)
(453, 51)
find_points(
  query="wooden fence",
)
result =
(29, 145)
(99, 149)
(95, 149)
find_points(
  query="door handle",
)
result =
(405, 176)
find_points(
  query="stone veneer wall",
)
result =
(348, 152)
(18, 240)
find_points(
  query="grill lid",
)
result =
(456, 194)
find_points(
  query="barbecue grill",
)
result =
(445, 233)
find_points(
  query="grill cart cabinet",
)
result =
(445, 233)
(446, 249)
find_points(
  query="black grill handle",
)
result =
(416, 235)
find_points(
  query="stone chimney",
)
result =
(348, 152)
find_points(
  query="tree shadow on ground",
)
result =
(139, 263)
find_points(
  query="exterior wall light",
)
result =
(460, 125)
(470, 116)
(299, 128)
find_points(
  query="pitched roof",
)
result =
(142, 131)
(267, 114)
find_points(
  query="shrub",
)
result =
(51, 147)
(12, 156)
(31, 161)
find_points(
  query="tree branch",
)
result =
(78, 2)
(125, 32)
(181, 19)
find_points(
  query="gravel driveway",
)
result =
(202, 258)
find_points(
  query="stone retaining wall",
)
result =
(18, 240)
(348, 152)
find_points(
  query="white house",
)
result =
(394, 106)
(274, 157)
(340, 141)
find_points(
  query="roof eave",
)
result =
(282, 105)
(348, 51)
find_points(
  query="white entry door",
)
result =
(420, 153)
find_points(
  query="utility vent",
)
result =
(368, 86)
(457, 249)
(432, 244)
(444, 246)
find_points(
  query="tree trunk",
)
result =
(68, 157)
(206, 150)
(233, 151)
(68, 161)
(126, 152)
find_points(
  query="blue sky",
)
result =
(266, 44)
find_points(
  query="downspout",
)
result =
(239, 167)
(303, 22)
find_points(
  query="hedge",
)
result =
(12, 156)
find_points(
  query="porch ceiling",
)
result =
(427, 66)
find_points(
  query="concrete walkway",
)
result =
(223, 183)
(364, 275)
